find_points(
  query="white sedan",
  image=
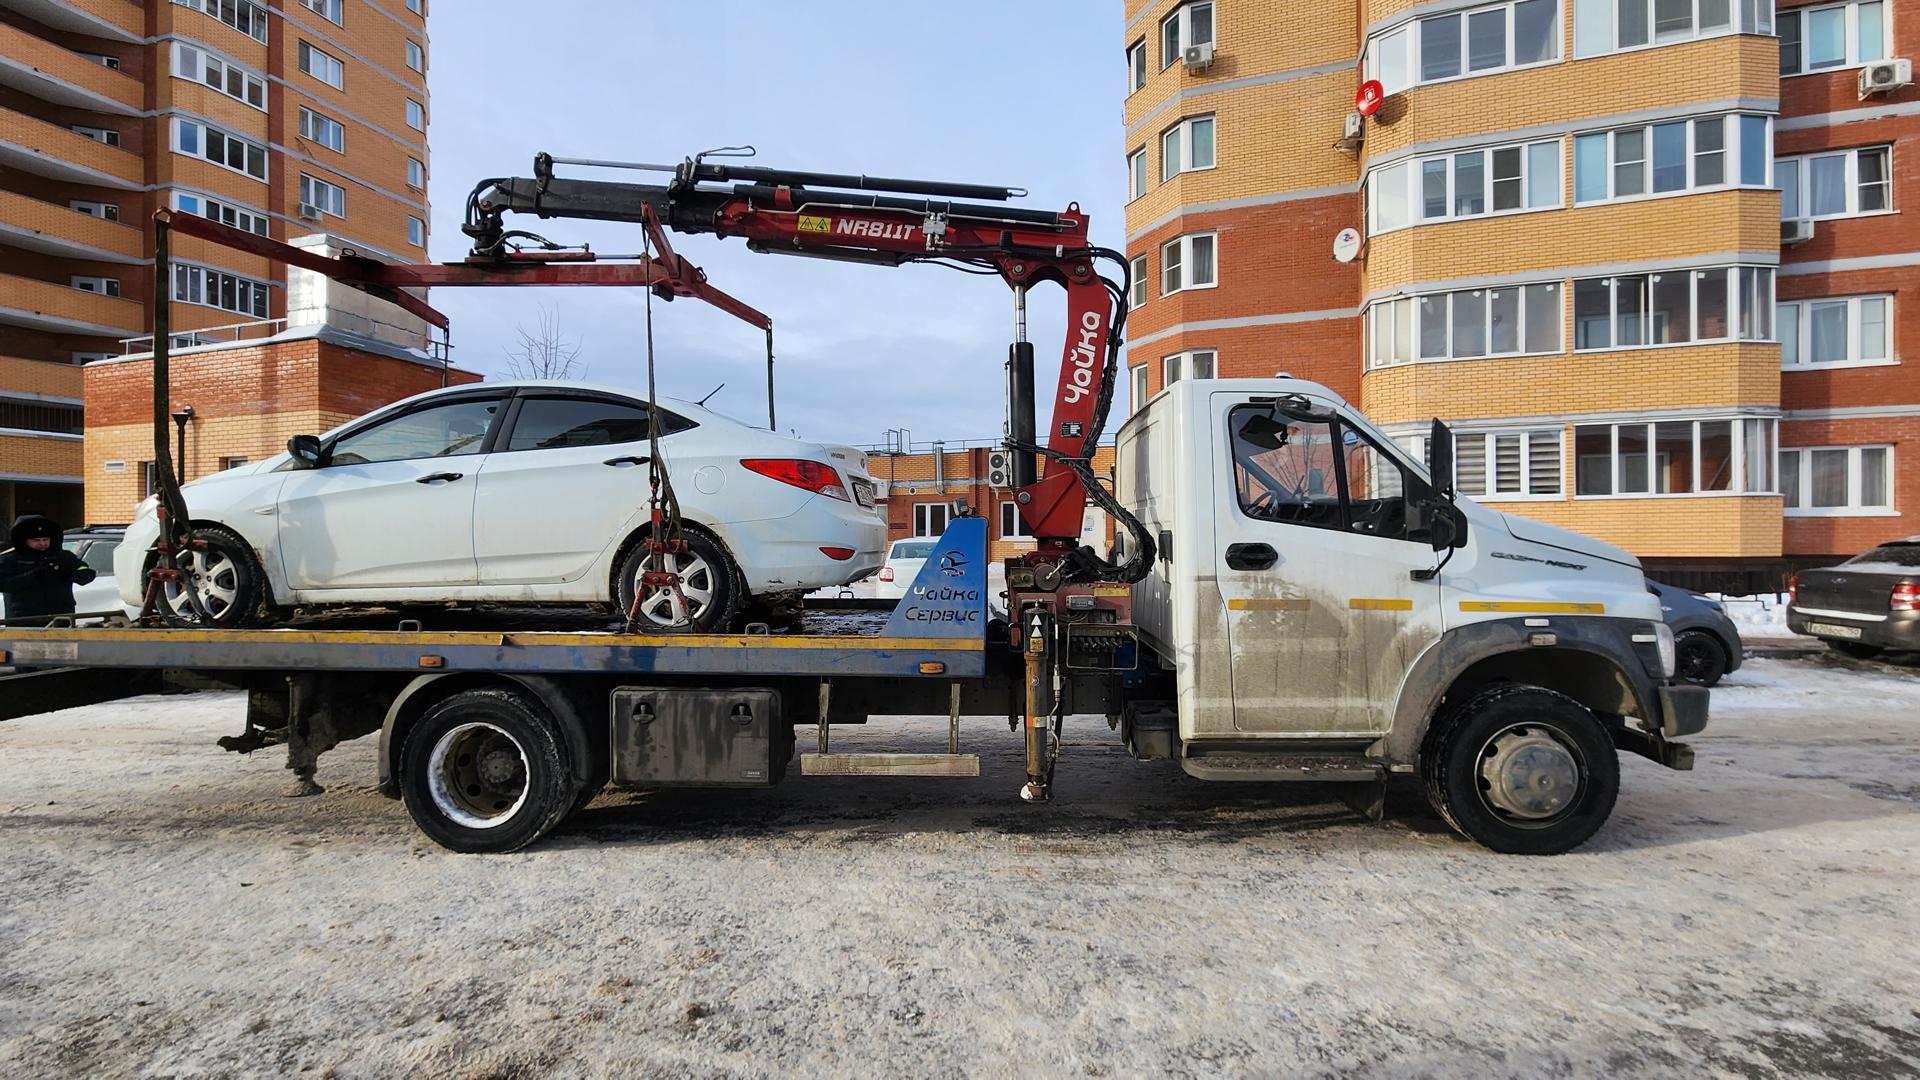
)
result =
(523, 492)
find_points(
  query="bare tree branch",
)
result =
(545, 352)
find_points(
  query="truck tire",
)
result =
(1522, 770)
(486, 771)
(1701, 658)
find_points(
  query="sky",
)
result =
(1023, 94)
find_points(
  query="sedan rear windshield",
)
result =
(1895, 557)
(918, 549)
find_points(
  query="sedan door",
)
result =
(392, 503)
(568, 480)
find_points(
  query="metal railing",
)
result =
(211, 335)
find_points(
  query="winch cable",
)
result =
(664, 532)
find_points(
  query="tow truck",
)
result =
(1292, 596)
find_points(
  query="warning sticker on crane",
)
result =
(814, 223)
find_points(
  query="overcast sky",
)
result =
(1006, 92)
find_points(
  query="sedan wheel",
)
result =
(708, 596)
(665, 606)
(225, 580)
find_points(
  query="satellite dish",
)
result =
(1346, 245)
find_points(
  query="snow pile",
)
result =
(1768, 684)
(1761, 615)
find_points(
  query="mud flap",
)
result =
(1654, 747)
(1367, 798)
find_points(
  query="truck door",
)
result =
(1315, 560)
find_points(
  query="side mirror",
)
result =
(1440, 458)
(306, 451)
(1446, 525)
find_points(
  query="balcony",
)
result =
(52, 229)
(40, 380)
(36, 66)
(121, 20)
(54, 308)
(35, 146)
(41, 458)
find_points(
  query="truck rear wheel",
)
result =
(486, 771)
(1522, 770)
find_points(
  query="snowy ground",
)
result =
(164, 912)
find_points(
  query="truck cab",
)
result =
(1319, 603)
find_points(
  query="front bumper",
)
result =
(130, 558)
(1896, 630)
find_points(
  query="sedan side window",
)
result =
(99, 555)
(455, 429)
(551, 423)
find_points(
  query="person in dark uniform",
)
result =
(39, 574)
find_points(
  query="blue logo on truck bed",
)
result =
(949, 597)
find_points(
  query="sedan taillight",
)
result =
(1906, 597)
(814, 476)
(886, 573)
(1793, 588)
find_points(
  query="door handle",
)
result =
(1251, 556)
(622, 462)
(438, 477)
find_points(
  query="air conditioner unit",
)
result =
(309, 212)
(1352, 131)
(1198, 56)
(1796, 231)
(1000, 470)
(1885, 76)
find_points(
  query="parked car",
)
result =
(1864, 606)
(95, 546)
(530, 492)
(904, 560)
(1706, 644)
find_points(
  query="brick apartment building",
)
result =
(919, 489)
(284, 117)
(1647, 256)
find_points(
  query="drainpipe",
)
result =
(940, 466)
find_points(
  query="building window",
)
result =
(1137, 65)
(1604, 26)
(36, 416)
(416, 57)
(1525, 464)
(228, 151)
(218, 289)
(1481, 41)
(1186, 147)
(1835, 481)
(1673, 307)
(1139, 386)
(1727, 455)
(416, 232)
(1187, 263)
(1847, 183)
(220, 210)
(104, 211)
(231, 463)
(416, 6)
(1192, 364)
(328, 9)
(1190, 24)
(327, 69)
(1835, 331)
(1832, 37)
(198, 65)
(1137, 281)
(1672, 158)
(416, 115)
(1469, 183)
(243, 15)
(1509, 320)
(1011, 527)
(109, 136)
(105, 286)
(324, 130)
(416, 173)
(1136, 174)
(328, 198)
(930, 519)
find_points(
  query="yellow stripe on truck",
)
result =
(1532, 607)
(1371, 603)
(1294, 603)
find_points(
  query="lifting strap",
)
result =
(664, 533)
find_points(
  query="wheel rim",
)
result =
(216, 581)
(477, 776)
(658, 604)
(1531, 775)
(1696, 660)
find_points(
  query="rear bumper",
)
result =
(780, 554)
(1895, 630)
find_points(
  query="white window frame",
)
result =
(416, 57)
(1387, 312)
(1138, 386)
(236, 13)
(1732, 151)
(1415, 189)
(233, 462)
(1738, 454)
(329, 197)
(330, 10)
(1802, 320)
(416, 115)
(1180, 365)
(1738, 309)
(416, 173)
(1855, 506)
(1136, 65)
(322, 65)
(1490, 462)
(103, 210)
(318, 127)
(203, 68)
(1182, 258)
(1136, 174)
(1410, 75)
(416, 232)
(1855, 57)
(102, 286)
(1137, 282)
(1182, 20)
(200, 132)
(1011, 527)
(923, 514)
(202, 285)
(1181, 136)
(416, 7)
(1743, 17)
(224, 211)
(1802, 166)
(104, 136)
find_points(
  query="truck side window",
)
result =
(1289, 471)
(1376, 488)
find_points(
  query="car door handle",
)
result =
(1251, 556)
(623, 462)
(439, 477)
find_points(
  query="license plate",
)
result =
(1823, 629)
(863, 492)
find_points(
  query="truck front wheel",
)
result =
(1522, 770)
(486, 771)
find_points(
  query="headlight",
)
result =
(1656, 650)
